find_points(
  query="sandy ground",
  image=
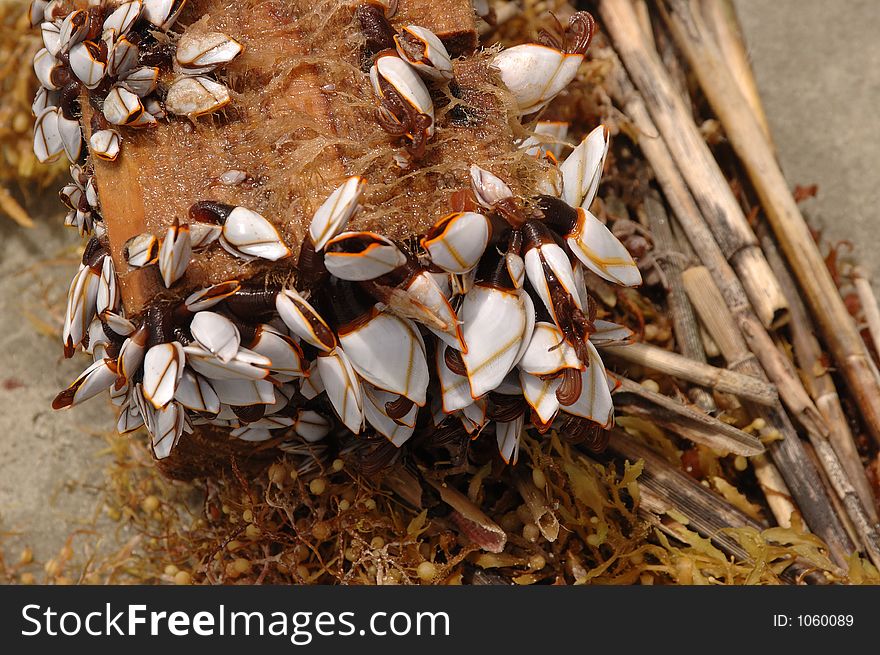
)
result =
(819, 77)
(817, 65)
(51, 463)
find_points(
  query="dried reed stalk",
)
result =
(684, 322)
(690, 423)
(785, 218)
(664, 488)
(800, 473)
(706, 375)
(721, 18)
(690, 152)
(868, 301)
(687, 213)
(820, 383)
(788, 454)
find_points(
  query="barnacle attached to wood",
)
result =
(320, 221)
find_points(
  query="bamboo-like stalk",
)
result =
(779, 497)
(706, 375)
(820, 383)
(690, 152)
(785, 218)
(798, 470)
(690, 219)
(720, 16)
(684, 323)
(636, 400)
(869, 306)
(664, 487)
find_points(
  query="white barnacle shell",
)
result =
(287, 358)
(594, 402)
(104, 144)
(209, 296)
(203, 52)
(141, 81)
(376, 415)
(582, 169)
(550, 258)
(457, 241)
(122, 57)
(216, 334)
(51, 33)
(335, 212)
(548, 353)
(488, 187)
(86, 64)
(600, 251)
(535, 73)
(73, 29)
(610, 334)
(48, 143)
(96, 378)
(43, 99)
(507, 435)
(122, 107)
(304, 321)
(123, 17)
(37, 11)
(175, 253)
(165, 426)
(162, 13)
(494, 326)
(141, 250)
(196, 96)
(71, 137)
(548, 137)
(359, 256)
(109, 293)
(540, 394)
(44, 64)
(405, 81)
(388, 352)
(247, 234)
(203, 235)
(343, 388)
(424, 51)
(163, 368)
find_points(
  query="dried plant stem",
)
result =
(800, 474)
(687, 332)
(746, 327)
(665, 489)
(720, 379)
(684, 420)
(778, 496)
(720, 16)
(821, 385)
(794, 236)
(693, 157)
(869, 306)
(789, 455)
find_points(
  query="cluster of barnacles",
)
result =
(403, 62)
(483, 324)
(116, 55)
